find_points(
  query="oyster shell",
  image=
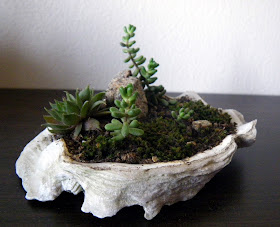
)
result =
(46, 171)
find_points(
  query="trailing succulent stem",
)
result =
(184, 114)
(127, 112)
(154, 94)
(68, 115)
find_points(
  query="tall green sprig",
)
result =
(128, 113)
(154, 94)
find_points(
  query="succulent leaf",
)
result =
(172, 101)
(122, 92)
(124, 104)
(118, 137)
(134, 124)
(136, 131)
(125, 129)
(135, 73)
(113, 109)
(113, 126)
(72, 107)
(57, 126)
(85, 94)
(152, 80)
(117, 114)
(117, 103)
(127, 59)
(84, 109)
(77, 130)
(133, 113)
(49, 119)
(54, 114)
(97, 97)
(69, 97)
(94, 108)
(78, 99)
(70, 119)
(164, 102)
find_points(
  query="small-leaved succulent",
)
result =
(154, 94)
(184, 113)
(69, 114)
(127, 112)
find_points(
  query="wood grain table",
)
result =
(246, 192)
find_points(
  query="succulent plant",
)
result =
(128, 113)
(69, 114)
(184, 113)
(154, 94)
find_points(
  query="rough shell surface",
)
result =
(123, 79)
(46, 171)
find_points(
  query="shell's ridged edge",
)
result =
(46, 171)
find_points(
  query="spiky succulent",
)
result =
(154, 94)
(128, 113)
(69, 114)
(184, 113)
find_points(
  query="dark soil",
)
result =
(164, 139)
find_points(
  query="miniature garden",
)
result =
(134, 121)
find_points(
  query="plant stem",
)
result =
(134, 63)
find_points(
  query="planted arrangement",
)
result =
(92, 135)
(131, 144)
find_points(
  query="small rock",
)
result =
(147, 161)
(130, 157)
(123, 79)
(196, 125)
(92, 124)
(155, 159)
(191, 143)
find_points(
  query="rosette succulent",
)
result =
(69, 114)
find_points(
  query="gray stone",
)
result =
(199, 124)
(123, 79)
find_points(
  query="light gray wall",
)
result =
(207, 46)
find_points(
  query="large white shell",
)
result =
(108, 187)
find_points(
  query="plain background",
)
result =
(207, 46)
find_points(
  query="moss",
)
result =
(204, 112)
(164, 137)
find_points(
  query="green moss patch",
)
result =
(164, 139)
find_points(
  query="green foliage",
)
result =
(68, 115)
(154, 94)
(128, 113)
(97, 148)
(203, 112)
(184, 113)
(162, 139)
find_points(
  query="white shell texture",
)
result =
(46, 171)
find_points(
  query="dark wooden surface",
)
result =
(246, 192)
